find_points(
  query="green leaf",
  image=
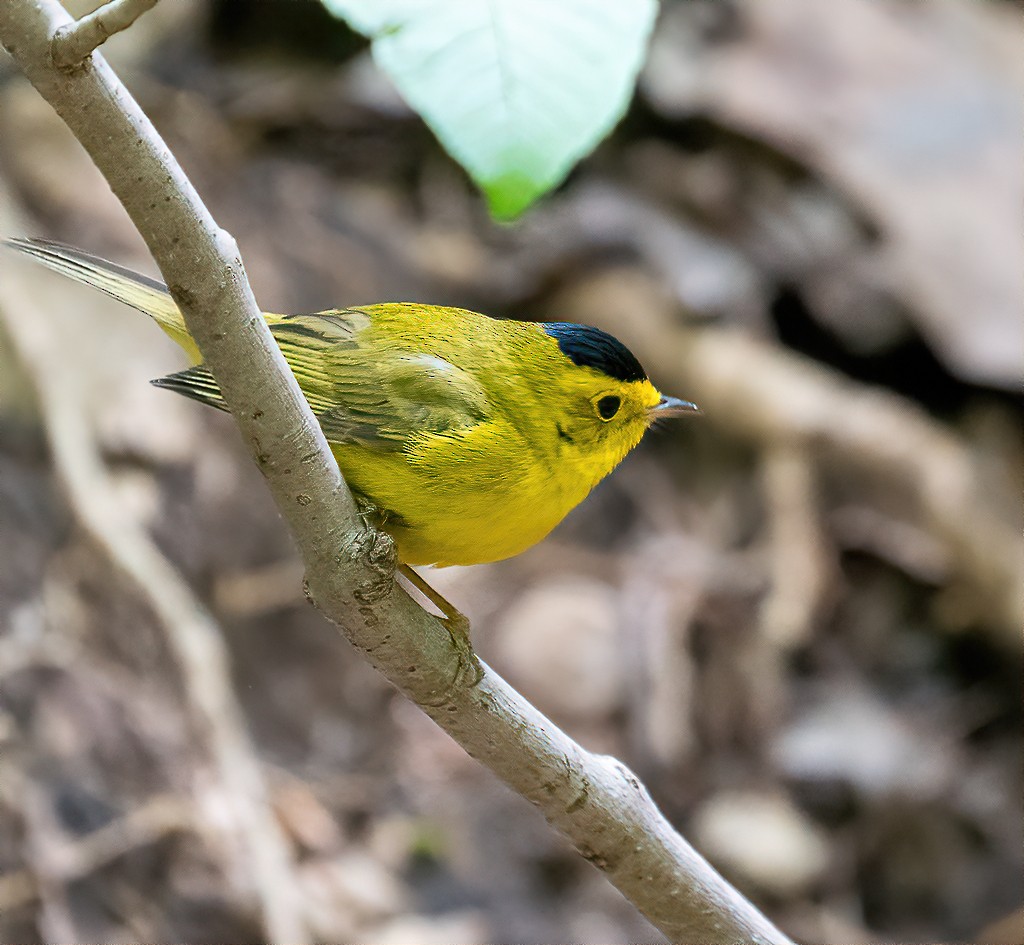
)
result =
(516, 90)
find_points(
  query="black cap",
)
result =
(590, 347)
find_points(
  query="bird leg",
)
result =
(455, 622)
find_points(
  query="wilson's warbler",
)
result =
(471, 437)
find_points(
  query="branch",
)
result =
(74, 41)
(74, 860)
(594, 800)
(801, 567)
(771, 397)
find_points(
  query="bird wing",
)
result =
(384, 399)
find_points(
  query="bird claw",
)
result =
(455, 622)
(457, 625)
(369, 513)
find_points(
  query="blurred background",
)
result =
(797, 617)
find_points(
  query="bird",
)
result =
(468, 437)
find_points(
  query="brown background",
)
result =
(797, 617)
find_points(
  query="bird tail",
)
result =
(141, 292)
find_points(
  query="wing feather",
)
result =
(383, 398)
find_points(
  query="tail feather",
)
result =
(195, 382)
(148, 295)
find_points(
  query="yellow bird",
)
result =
(470, 437)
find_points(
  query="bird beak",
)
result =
(673, 407)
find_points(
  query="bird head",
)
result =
(603, 399)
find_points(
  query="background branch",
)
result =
(595, 801)
(250, 841)
(811, 406)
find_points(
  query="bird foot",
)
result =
(457, 625)
(455, 622)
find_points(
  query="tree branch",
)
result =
(74, 41)
(594, 800)
(73, 861)
(812, 407)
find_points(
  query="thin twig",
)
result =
(594, 800)
(802, 571)
(73, 42)
(77, 859)
(40, 831)
(770, 396)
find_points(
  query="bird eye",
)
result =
(608, 406)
